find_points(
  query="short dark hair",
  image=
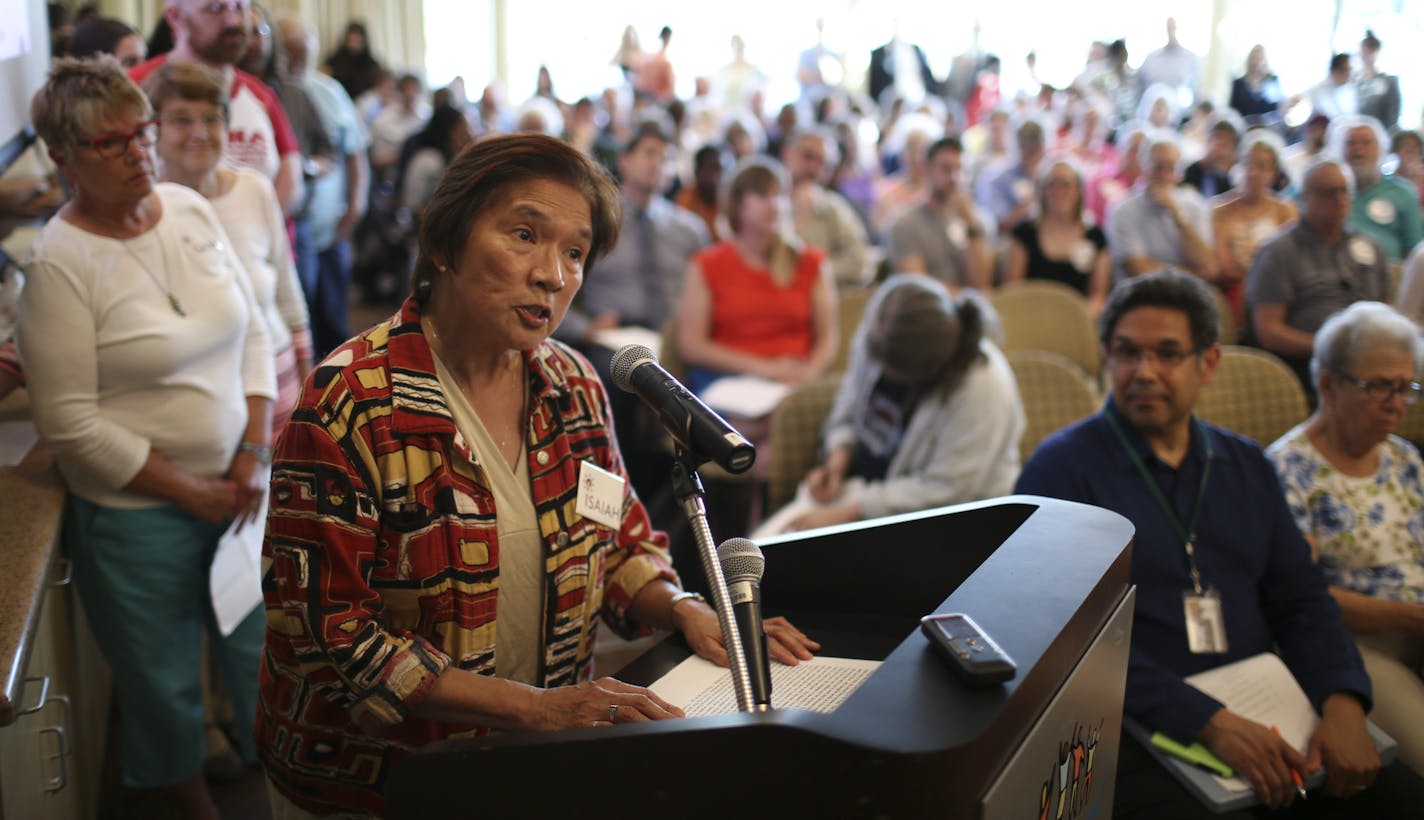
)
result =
(647, 129)
(1405, 135)
(98, 35)
(1030, 130)
(1340, 62)
(1225, 127)
(706, 155)
(1167, 288)
(950, 143)
(480, 175)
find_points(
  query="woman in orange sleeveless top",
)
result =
(758, 303)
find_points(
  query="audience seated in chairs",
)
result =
(928, 413)
(1355, 489)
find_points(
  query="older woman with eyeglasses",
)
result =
(1357, 492)
(192, 110)
(151, 380)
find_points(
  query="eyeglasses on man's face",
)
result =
(1168, 357)
(1382, 390)
(114, 144)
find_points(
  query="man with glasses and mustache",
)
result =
(1221, 569)
(1320, 266)
(214, 33)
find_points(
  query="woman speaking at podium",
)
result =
(450, 514)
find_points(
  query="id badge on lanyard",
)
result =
(1201, 605)
(1206, 627)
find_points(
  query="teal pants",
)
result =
(142, 576)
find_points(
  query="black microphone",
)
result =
(705, 435)
(742, 565)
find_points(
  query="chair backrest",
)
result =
(1230, 335)
(850, 309)
(1045, 315)
(1255, 394)
(796, 436)
(1055, 393)
(668, 355)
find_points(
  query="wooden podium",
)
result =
(1047, 579)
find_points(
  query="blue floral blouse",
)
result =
(1369, 531)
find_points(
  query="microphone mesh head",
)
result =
(741, 560)
(625, 360)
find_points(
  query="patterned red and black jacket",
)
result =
(385, 558)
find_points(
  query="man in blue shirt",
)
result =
(1213, 534)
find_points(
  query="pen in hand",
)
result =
(1295, 774)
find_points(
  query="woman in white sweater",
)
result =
(151, 380)
(192, 109)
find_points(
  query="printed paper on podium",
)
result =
(700, 687)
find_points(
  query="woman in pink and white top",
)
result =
(192, 110)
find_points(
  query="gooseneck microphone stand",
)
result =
(687, 488)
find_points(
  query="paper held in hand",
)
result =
(1262, 689)
(235, 576)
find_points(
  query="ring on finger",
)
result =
(613, 713)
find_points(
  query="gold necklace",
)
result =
(436, 344)
(165, 285)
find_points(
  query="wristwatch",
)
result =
(683, 596)
(262, 452)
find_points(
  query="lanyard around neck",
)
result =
(1188, 534)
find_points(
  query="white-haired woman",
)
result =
(1357, 491)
